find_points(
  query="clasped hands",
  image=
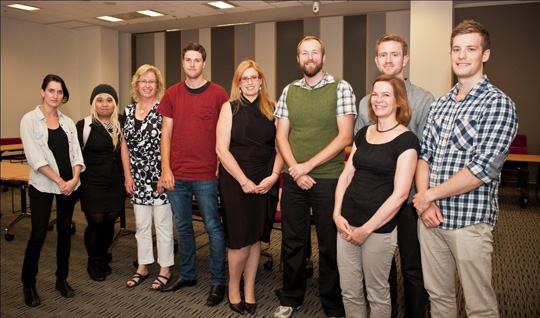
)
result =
(427, 210)
(263, 187)
(357, 236)
(299, 172)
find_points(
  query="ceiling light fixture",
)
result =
(110, 19)
(150, 13)
(23, 7)
(221, 4)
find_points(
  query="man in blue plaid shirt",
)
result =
(464, 145)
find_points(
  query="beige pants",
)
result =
(370, 261)
(469, 250)
(163, 220)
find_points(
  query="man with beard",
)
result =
(315, 122)
(190, 112)
(391, 59)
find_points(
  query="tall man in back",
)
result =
(465, 143)
(315, 124)
(390, 60)
(190, 112)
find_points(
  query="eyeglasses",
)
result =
(144, 82)
(246, 79)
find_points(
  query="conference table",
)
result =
(15, 175)
(18, 148)
(523, 187)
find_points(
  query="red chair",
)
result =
(13, 155)
(518, 169)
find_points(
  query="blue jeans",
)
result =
(181, 202)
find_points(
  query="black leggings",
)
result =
(41, 204)
(99, 234)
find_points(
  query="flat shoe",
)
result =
(159, 282)
(137, 279)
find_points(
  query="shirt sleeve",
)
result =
(77, 157)
(281, 110)
(494, 134)
(363, 118)
(346, 101)
(423, 111)
(31, 139)
(426, 150)
(165, 107)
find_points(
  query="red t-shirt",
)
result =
(195, 114)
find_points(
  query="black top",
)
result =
(59, 145)
(103, 162)
(373, 180)
(248, 218)
(138, 123)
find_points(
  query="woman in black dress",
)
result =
(371, 190)
(53, 153)
(102, 190)
(248, 175)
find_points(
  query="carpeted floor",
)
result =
(516, 274)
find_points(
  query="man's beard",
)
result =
(313, 70)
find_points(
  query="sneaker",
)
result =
(285, 311)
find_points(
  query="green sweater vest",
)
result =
(313, 125)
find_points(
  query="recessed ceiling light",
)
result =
(22, 7)
(221, 4)
(150, 13)
(110, 19)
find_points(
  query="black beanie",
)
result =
(104, 88)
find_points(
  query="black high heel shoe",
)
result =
(250, 308)
(239, 307)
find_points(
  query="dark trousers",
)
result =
(296, 206)
(411, 266)
(41, 205)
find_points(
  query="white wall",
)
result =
(430, 46)
(30, 51)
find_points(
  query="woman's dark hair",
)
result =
(55, 78)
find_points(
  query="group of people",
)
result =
(422, 175)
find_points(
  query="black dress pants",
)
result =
(296, 206)
(411, 266)
(41, 205)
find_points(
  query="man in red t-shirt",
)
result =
(190, 112)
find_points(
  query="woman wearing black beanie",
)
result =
(102, 191)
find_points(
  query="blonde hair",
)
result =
(266, 104)
(116, 129)
(143, 69)
(310, 38)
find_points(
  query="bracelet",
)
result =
(275, 173)
(245, 183)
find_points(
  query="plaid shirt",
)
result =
(474, 133)
(346, 101)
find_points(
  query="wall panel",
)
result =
(173, 58)
(354, 53)
(289, 33)
(244, 43)
(223, 56)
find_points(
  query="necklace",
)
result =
(312, 87)
(383, 131)
(141, 109)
